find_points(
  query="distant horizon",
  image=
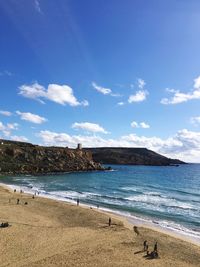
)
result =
(103, 74)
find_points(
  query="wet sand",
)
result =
(46, 232)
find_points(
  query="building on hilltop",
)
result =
(79, 146)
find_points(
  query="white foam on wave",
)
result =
(131, 188)
(161, 200)
(67, 194)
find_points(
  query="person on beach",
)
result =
(17, 201)
(109, 222)
(145, 245)
(77, 201)
(156, 247)
(135, 229)
(153, 255)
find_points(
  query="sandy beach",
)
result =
(46, 232)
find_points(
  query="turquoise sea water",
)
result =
(167, 196)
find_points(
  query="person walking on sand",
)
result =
(109, 222)
(78, 201)
(145, 245)
(156, 247)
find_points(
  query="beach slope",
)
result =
(51, 233)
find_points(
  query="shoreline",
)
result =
(128, 220)
(49, 232)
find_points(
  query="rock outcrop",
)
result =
(130, 156)
(26, 158)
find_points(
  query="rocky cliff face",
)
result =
(25, 158)
(130, 156)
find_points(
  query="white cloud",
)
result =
(141, 83)
(19, 138)
(103, 90)
(197, 83)
(33, 91)
(195, 120)
(144, 125)
(5, 113)
(85, 103)
(89, 127)
(37, 6)
(135, 124)
(2, 127)
(180, 97)
(6, 73)
(12, 126)
(6, 129)
(120, 103)
(27, 116)
(184, 145)
(138, 97)
(61, 94)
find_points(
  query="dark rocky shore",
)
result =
(26, 158)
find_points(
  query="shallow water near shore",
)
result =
(168, 197)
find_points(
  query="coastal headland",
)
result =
(26, 158)
(131, 156)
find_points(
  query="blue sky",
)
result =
(103, 73)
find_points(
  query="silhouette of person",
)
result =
(145, 245)
(156, 246)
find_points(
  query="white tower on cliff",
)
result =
(79, 146)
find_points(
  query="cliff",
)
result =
(25, 158)
(130, 156)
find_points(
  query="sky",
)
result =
(102, 73)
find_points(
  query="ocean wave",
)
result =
(178, 227)
(68, 194)
(132, 188)
(159, 200)
(71, 196)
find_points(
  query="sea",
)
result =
(163, 196)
